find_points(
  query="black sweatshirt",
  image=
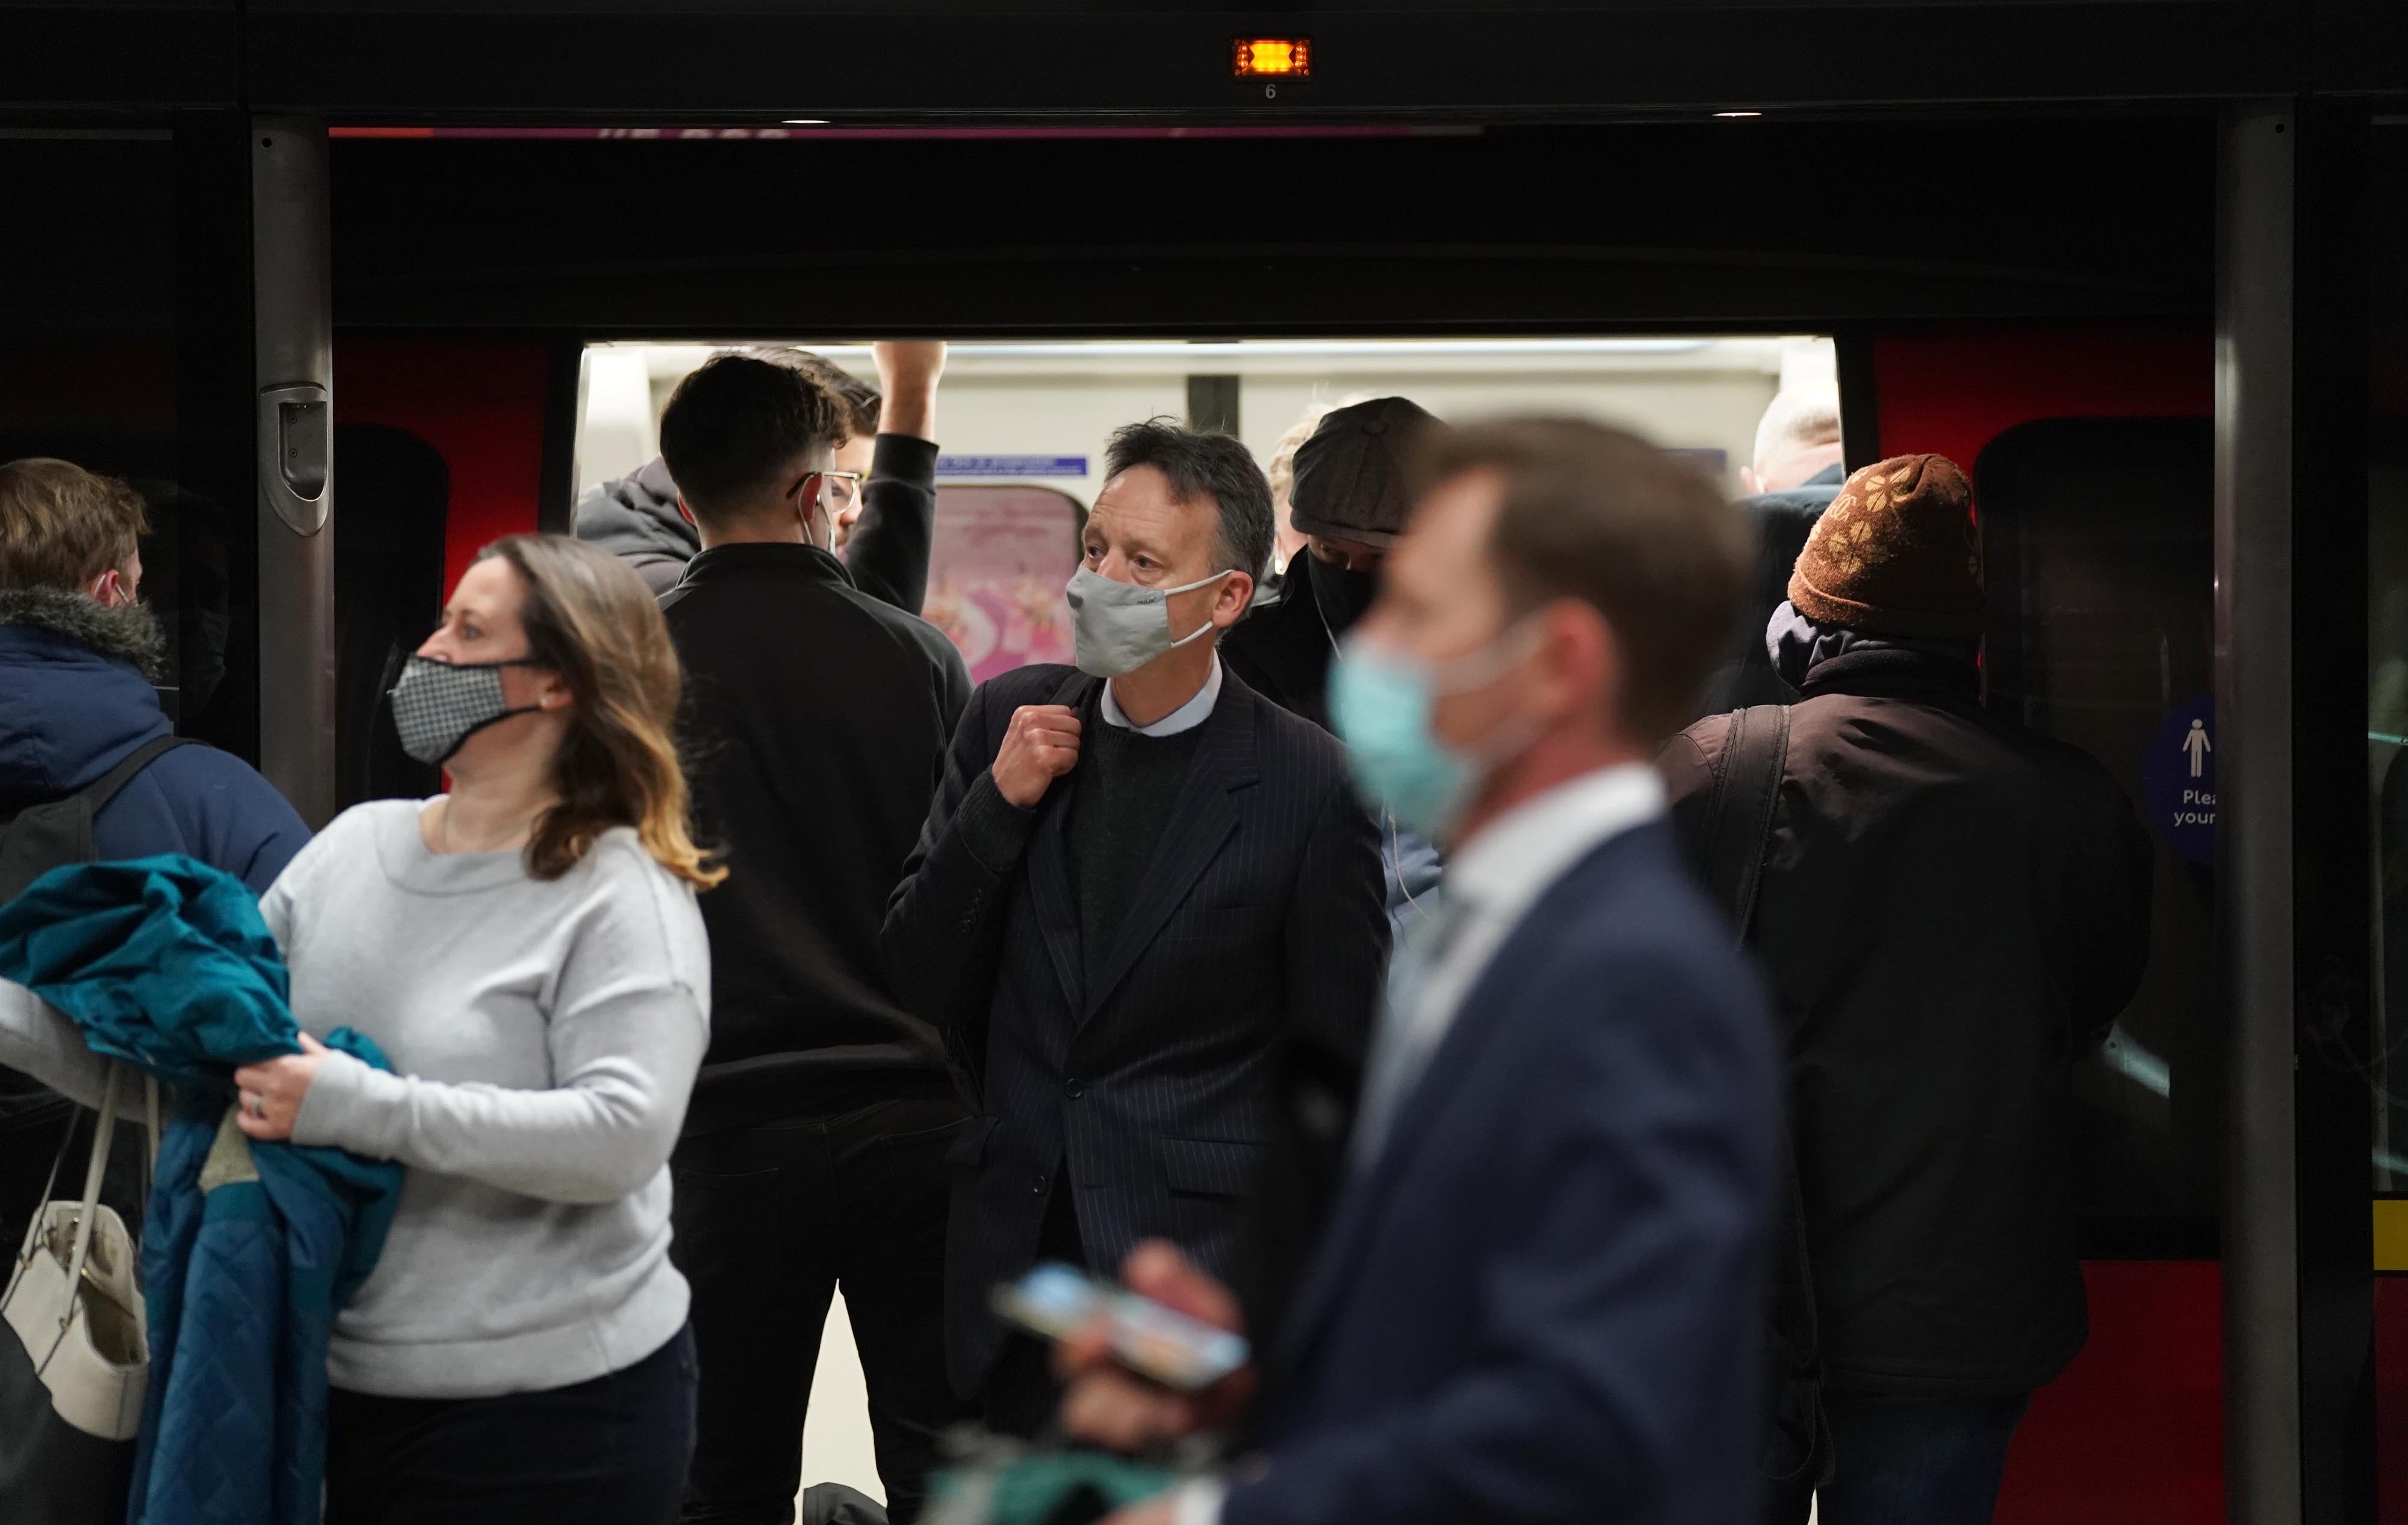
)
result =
(892, 540)
(817, 721)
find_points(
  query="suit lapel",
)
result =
(1054, 897)
(1202, 819)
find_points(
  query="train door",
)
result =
(2092, 457)
(2378, 1058)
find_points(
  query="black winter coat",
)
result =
(1953, 910)
(1282, 648)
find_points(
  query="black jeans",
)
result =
(770, 1220)
(612, 1451)
(1912, 1461)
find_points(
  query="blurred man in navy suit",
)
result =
(1540, 1299)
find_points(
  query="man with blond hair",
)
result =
(1794, 474)
(77, 654)
(1797, 443)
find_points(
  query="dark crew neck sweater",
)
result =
(1128, 784)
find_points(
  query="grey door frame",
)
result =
(292, 372)
(2257, 151)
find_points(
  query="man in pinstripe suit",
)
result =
(1144, 900)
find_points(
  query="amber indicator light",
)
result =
(1274, 58)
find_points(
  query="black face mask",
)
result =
(1340, 594)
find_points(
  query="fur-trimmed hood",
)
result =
(128, 632)
(73, 694)
(74, 702)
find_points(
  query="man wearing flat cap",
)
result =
(1952, 910)
(1350, 499)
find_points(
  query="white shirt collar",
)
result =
(1491, 884)
(1506, 868)
(1185, 718)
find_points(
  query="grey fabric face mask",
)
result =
(438, 705)
(1118, 627)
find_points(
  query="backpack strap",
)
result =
(1746, 788)
(100, 791)
(97, 794)
(1739, 838)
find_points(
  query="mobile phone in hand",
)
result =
(1056, 1301)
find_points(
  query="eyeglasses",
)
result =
(833, 492)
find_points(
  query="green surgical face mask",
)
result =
(1381, 702)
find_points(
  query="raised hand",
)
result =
(908, 370)
(1039, 745)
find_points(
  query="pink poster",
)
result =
(1002, 556)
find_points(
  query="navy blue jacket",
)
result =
(1257, 928)
(1542, 1301)
(69, 714)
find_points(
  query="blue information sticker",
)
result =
(2178, 781)
(1012, 466)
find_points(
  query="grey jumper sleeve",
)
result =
(43, 1042)
(627, 1026)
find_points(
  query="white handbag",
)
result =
(72, 1301)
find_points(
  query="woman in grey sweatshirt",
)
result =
(528, 953)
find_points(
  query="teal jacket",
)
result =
(163, 962)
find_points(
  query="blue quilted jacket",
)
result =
(248, 1250)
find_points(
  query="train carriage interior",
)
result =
(1025, 426)
(2047, 281)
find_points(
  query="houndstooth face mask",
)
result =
(438, 705)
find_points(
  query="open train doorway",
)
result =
(1021, 428)
(2089, 455)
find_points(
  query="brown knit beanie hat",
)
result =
(1895, 553)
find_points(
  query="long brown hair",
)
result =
(589, 618)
